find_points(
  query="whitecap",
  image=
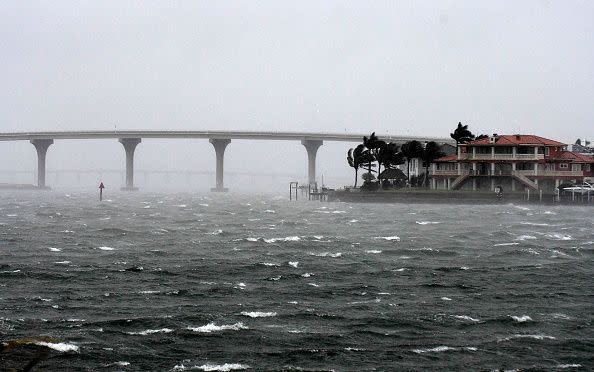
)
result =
(294, 263)
(268, 264)
(445, 299)
(466, 317)
(250, 239)
(307, 275)
(269, 211)
(258, 314)
(426, 222)
(148, 292)
(62, 262)
(212, 327)
(525, 237)
(222, 367)
(536, 337)
(59, 346)
(440, 349)
(54, 249)
(521, 319)
(67, 232)
(534, 223)
(572, 365)
(557, 236)
(373, 251)
(326, 254)
(217, 232)
(106, 248)
(146, 206)
(338, 212)
(389, 238)
(399, 270)
(151, 331)
(353, 221)
(203, 205)
(505, 244)
(313, 284)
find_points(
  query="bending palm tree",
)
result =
(410, 150)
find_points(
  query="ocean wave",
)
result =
(505, 244)
(212, 327)
(519, 336)
(294, 263)
(52, 249)
(525, 237)
(521, 319)
(427, 222)
(388, 238)
(258, 314)
(326, 254)
(466, 317)
(373, 251)
(572, 365)
(213, 367)
(287, 239)
(558, 236)
(59, 346)
(151, 331)
(106, 248)
(441, 349)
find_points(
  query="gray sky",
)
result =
(406, 67)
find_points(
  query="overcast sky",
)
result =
(403, 67)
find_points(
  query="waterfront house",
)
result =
(513, 162)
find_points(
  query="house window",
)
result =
(587, 167)
(563, 166)
(546, 151)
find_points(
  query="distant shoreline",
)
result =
(18, 186)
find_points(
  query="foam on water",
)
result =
(59, 346)
(213, 367)
(441, 349)
(258, 314)
(106, 248)
(521, 319)
(212, 327)
(151, 331)
(389, 238)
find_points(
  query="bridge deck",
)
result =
(270, 135)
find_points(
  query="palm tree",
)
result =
(355, 158)
(431, 152)
(410, 150)
(390, 156)
(462, 134)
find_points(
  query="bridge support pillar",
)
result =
(219, 145)
(129, 146)
(312, 147)
(41, 145)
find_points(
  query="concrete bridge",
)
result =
(219, 139)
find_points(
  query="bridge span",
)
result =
(219, 139)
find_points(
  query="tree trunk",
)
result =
(356, 171)
(408, 170)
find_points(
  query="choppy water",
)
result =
(222, 282)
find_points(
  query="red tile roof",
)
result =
(447, 159)
(515, 140)
(574, 157)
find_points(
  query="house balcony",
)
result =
(447, 172)
(550, 173)
(501, 157)
(488, 173)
